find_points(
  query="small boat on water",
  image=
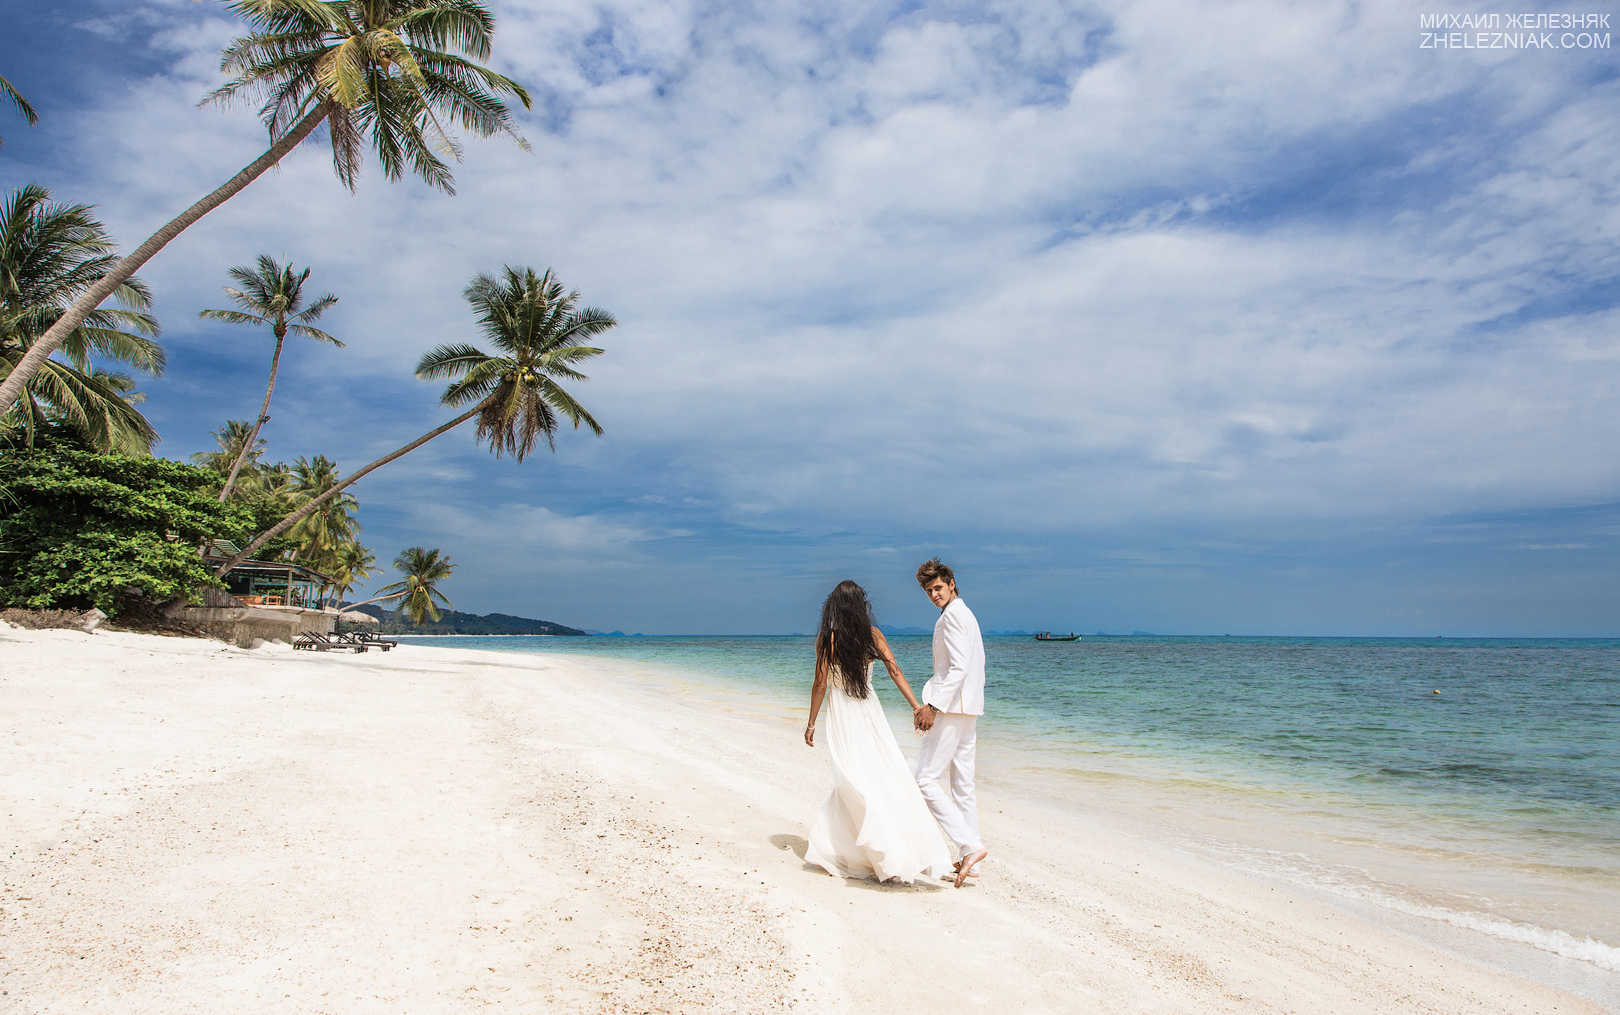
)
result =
(1049, 636)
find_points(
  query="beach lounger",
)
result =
(372, 638)
(316, 642)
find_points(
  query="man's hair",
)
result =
(934, 568)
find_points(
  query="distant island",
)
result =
(453, 622)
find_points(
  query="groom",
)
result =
(952, 702)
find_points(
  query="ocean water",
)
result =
(1492, 806)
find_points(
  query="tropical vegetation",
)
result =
(350, 565)
(87, 515)
(234, 446)
(323, 540)
(538, 329)
(270, 294)
(418, 589)
(81, 528)
(50, 254)
(383, 74)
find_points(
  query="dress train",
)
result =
(875, 823)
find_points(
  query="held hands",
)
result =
(922, 717)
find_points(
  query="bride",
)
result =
(875, 824)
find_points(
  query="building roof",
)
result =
(267, 568)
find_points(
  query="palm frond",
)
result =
(450, 360)
(99, 406)
(467, 27)
(473, 388)
(315, 333)
(141, 353)
(16, 99)
(231, 317)
(566, 403)
(314, 311)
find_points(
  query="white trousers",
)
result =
(947, 749)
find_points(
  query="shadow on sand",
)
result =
(798, 845)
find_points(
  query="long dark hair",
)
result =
(845, 641)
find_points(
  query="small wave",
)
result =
(1586, 949)
(1337, 880)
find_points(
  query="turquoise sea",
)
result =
(1490, 807)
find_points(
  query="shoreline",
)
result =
(1311, 863)
(1456, 866)
(437, 830)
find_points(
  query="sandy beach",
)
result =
(192, 827)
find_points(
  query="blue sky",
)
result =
(1237, 318)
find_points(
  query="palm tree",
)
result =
(537, 328)
(423, 570)
(49, 255)
(384, 68)
(535, 323)
(322, 532)
(272, 480)
(351, 564)
(234, 446)
(15, 98)
(271, 295)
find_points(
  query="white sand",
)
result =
(194, 828)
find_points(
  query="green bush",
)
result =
(78, 529)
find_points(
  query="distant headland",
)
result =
(454, 622)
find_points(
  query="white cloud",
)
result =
(531, 529)
(1074, 264)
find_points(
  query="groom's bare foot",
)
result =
(957, 867)
(964, 866)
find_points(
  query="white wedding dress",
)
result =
(875, 823)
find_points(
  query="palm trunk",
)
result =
(368, 602)
(264, 414)
(313, 504)
(11, 387)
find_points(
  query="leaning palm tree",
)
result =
(15, 98)
(379, 73)
(49, 255)
(271, 294)
(423, 570)
(537, 328)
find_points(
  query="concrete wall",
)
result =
(242, 624)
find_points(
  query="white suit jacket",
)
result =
(958, 681)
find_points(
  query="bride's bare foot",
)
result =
(964, 866)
